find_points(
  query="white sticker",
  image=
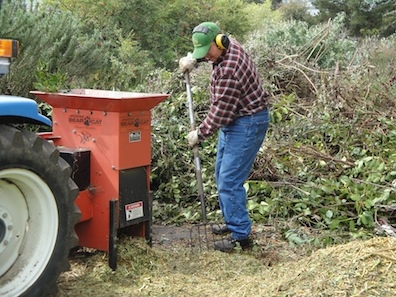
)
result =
(134, 136)
(134, 210)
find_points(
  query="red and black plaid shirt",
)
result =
(235, 90)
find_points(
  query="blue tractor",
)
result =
(37, 207)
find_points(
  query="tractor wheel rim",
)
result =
(29, 216)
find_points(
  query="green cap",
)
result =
(202, 37)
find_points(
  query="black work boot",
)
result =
(220, 229)
(229, 244)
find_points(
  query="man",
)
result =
(238, 110)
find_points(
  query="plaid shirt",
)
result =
(235, 90)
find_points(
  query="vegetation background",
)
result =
(328, 161)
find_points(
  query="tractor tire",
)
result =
(37, 214)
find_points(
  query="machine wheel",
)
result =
(37, 214)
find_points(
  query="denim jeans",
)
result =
(237, 148)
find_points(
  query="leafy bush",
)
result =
(328, 158)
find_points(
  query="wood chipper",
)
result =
(105, 136)
(79, 185)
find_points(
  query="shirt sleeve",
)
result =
(225, 94)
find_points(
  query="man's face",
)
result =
(214, 52)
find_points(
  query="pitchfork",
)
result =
(199, 232)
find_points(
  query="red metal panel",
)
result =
(84, 202)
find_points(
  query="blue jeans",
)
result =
(237, 148)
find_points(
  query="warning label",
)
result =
(134, 210)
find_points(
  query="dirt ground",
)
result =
(270, 245)
(167, 235)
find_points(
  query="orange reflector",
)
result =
(9, 48)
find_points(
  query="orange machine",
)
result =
(105, 136)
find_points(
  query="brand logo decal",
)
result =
(86, 120)
(136, 122)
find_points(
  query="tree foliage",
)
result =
(127, 40)
(363, 17)
(46, 38)
(161, 28)
(298, 11)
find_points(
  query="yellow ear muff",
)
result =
(222, 41)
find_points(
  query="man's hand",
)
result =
(187, 63)
(192, 138)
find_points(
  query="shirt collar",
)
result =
(220, 59)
